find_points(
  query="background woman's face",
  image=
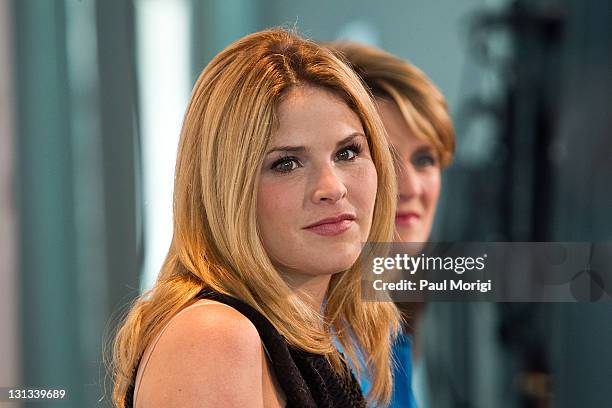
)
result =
(318, 185)
(418, 176)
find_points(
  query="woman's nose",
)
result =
(328, 186)
(408, 182)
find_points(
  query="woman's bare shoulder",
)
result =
(208, 356)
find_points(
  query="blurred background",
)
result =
(92, 95)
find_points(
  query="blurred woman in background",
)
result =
(419, 127)
(283, 171)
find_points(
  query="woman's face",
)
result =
(317, 187)
(418, 176)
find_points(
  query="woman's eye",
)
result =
(424, 161)
(285, 165)
(348, 153)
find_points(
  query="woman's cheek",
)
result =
(277, 199)
(363, 186)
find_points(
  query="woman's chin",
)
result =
(416, 235)
(330, 264)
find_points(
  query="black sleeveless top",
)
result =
(308, 380)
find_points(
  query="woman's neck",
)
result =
(312, 287)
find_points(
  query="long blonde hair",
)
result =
(421, 103)
(215, 244)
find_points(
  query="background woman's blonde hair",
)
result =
(215, 245)
(422, 105)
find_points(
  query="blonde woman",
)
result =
(419, 127)
(283, 171)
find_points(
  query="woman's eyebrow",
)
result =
(294, 149)
(424, 149)
(350, 137)
(298, 149)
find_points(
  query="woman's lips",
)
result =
(406, 219)
(331, 229)
(333, 225)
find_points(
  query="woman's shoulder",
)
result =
(209, 354)
(215, 323)
(215, 318)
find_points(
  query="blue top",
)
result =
(402, 371)
(402, 396)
